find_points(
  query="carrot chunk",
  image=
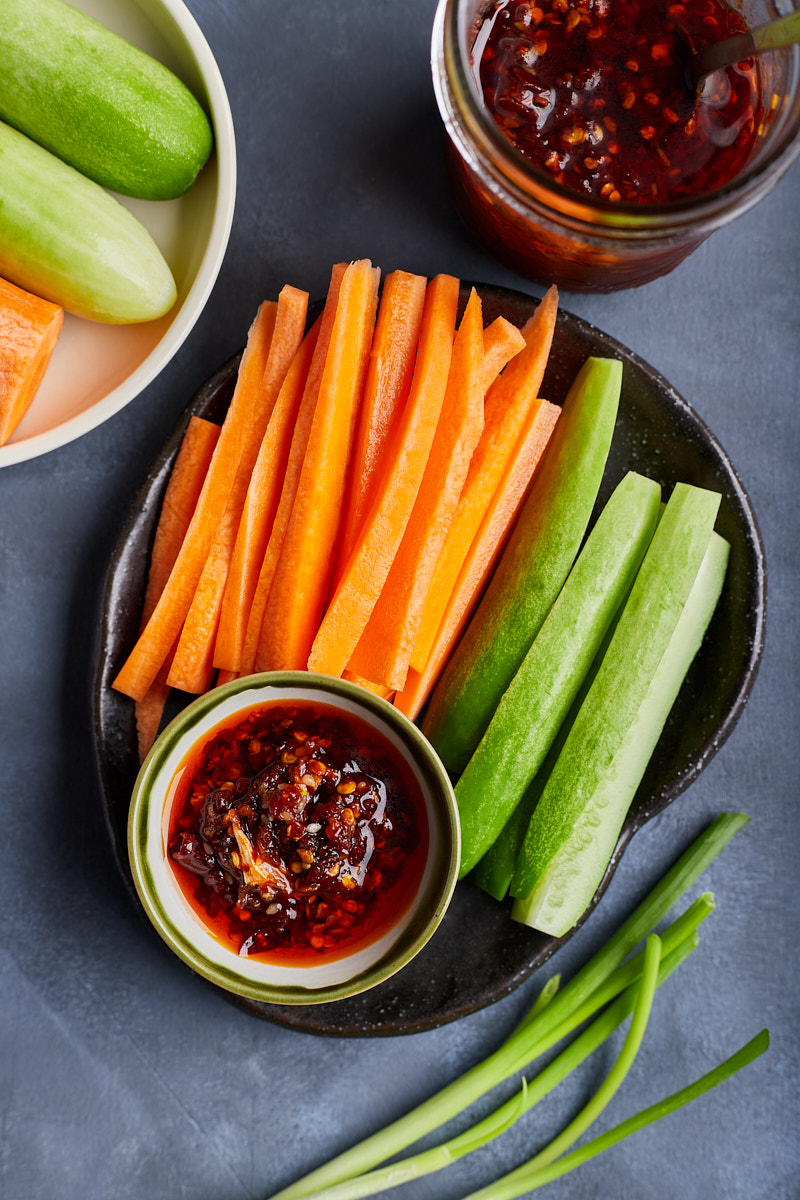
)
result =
(303, 573)
(29, 329)
(391, 363)
(365, 574)
(294, 467)
(259, 509)
(163, 627)
(383, 653)
(482, 556)
(508, 404)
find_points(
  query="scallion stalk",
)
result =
(439, 1157)
(532, 1037)
(529, 1177)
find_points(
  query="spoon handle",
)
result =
(783, 32)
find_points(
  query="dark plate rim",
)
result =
(311, 1018)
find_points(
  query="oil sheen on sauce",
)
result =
(297, 831)
(593, 91)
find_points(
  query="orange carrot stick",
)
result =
(158, 636)
(482, 556)
(376, 688)
(29, 329)
(383, 653)
(191, 668)
(508, 404)
(259, 510)
(294, 466)
(303, 573)
(501, 342)
(180, 500)
(391, 363)
(367, 569)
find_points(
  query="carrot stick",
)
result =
(180, 499)
(303, 573)
(501, 342)
(191, 668)
(372, 557)
(259, 510)
(294, 466)
(383, 653)
(163, 627)
(508, 404)
(391, 363)
(376, 688)
(29, 329)
(482, 556)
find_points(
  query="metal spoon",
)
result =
(783, 32)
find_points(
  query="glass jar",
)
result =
(551, 234)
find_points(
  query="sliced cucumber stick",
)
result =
(576, 823)
(539, 696)
(539, 555)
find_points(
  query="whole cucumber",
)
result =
(535, 563)
(65, 239)
(102, 105)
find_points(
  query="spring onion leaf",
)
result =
(536, 1177)
(531, 1038)
(435, 1159)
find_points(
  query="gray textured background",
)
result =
(121, 1075)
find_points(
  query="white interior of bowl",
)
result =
(177, 911)
(97, 369)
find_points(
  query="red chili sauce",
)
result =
(593, 91)
(297, 831)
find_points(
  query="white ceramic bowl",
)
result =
(97, 369)
(175, 918)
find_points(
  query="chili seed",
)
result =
(346, 789)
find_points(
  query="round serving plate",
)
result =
(478, 954)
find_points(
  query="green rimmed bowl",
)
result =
(187, 935)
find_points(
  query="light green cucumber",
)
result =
(97, 102)
(496, 869)
(532, 570)
(539, 696)
(64, 238)
(576, 823)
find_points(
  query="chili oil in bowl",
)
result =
(293, 838)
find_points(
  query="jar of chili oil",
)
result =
(552, 229)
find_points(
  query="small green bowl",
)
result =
(177, 922)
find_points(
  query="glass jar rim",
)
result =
(451, 54)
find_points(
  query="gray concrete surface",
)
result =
(121, 1075)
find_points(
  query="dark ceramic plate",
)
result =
(657, 434)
